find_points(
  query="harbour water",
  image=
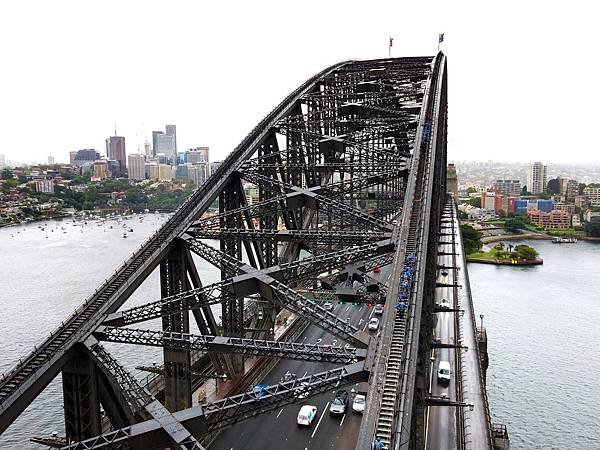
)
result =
(45, 274)
(542, 324)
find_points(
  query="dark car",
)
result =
(339, 403)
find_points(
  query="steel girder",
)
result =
(143, 401)
(225, 412)
(225, 344)
(353, 115)
(312, 236)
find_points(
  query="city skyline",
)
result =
(516, 119)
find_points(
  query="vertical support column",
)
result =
(81, 399)
(233, 307)
(268, 248)
(173, 279)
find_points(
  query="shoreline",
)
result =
(502, 262)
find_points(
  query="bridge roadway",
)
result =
(440, 432)
(279, 429)
(477, 420)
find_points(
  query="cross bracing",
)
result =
(226, 344)
(327, 171)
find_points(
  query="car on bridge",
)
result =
(374, 324)
(328, 306)
(378, 310)
(445, 272)
(443, 375)
(339, 403)
(359, 403)
(306, 415)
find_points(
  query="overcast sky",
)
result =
(522, 75)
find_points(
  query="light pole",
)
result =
(481, 317)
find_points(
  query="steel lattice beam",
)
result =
(226, 344)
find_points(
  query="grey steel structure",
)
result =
(350, 167)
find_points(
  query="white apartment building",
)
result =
(536, 178)
(136, 169)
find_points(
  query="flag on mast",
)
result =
(441, 39)
(390, 47)
(391, 41)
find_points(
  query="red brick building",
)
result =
(553, 219)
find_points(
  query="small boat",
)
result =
(130, 230)
(124, 235)
(563, 240)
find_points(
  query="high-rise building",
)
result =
(507, 187)
(155, 135)
(72, 156)
(593, 195)
(115, 149)
(171, 130)
(198, 173)
(452, 181)
(50, 160)
(569, 188)
(165, 144)
(148, 150)
(203, 153)
(536, 178)
(85, 155)
(136, 167)
(114, 168)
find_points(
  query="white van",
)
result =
(444, 372)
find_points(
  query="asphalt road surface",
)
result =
(441, 420)
(279, 430)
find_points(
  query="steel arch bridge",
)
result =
(350, 167)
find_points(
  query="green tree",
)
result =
(524, 191)
(526, 252)
(471, 238)
(553, 186)
(475, 201)
(592, 228)
(472, 190)
(7, 174)
(515, 223)
(501, 213)
(136, 198)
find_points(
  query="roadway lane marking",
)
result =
(319, 422)
(370, 315)
(342, 421)
(304, 374)
(279, 413)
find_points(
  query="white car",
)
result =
(443, 375)
(378, 310)
(374, 324)
(328, 306)
(306, 415)
(358, 405)
(445, 303)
